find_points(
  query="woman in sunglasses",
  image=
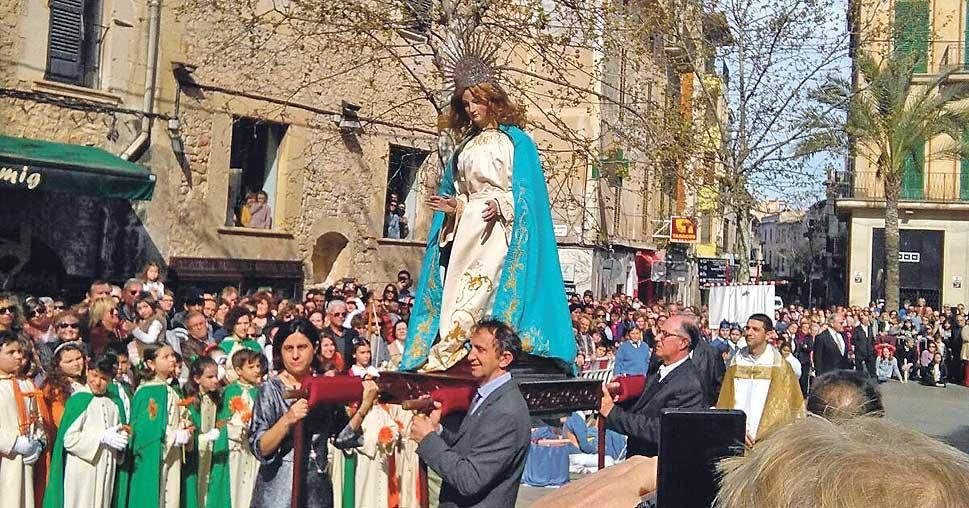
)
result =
(104, 323)
(11, 315)
(67, 330)
(37, 324)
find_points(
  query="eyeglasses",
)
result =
(340, 314)
(39, 311)
(402, 279)
(134, 292)
(8, 310)
(62, 326)
(60, 306)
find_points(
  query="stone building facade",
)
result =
(224, 118)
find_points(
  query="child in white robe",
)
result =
(89, 444)
(21, 443)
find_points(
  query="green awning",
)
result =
(44, 166)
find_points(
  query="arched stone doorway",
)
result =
(330, 257)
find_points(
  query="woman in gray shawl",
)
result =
(274, 417)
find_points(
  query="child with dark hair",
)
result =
(89, 445)
(120, 386)
(22, 426)
(161, 430)
(205, 469)
(236, 412)
(66, 376)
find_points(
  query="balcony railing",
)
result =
(939, 187)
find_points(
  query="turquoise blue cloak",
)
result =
(530, 295)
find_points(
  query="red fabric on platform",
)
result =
(333, 389)
(630, 387)
(455, 399)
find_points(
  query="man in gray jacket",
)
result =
(481, 464)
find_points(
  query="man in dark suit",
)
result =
(863, 340)
(709, 365)
(481, 464)
(830, 348)
(676, 384)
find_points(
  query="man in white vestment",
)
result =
(761, 383)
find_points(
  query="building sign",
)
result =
(568, 272)
(215, 268)
(683, 229)
(957, 282)
(713, 270)
(560, 229)
(909, 257)
(858, 277)
(23, 177)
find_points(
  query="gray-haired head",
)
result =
(335, 305)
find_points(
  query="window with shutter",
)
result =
(74, 45)
(911, 30)
(912, 171)
(65, 44)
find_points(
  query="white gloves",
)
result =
(30, 449)
(22, 445)
(181, 438)
(115, 438)
(211, 435)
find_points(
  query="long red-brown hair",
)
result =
(500, 107)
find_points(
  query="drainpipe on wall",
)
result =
(151, 74)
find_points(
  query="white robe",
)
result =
(16, 479)
(372, 483)
(408, 465)
(89, 468)
(484, 173)
(750, 395)
(208, 414)
(243, 466)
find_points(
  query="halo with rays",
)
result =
(467, 59)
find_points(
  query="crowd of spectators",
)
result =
(142, 311)
(913, 343)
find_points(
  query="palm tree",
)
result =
(887, 118)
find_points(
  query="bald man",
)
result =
(844, 394)
(675, 385)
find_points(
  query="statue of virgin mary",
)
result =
(491, 249)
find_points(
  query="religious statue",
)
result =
(491, 249)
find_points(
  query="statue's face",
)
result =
(478, 111)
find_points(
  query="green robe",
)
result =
(220, 478)
(76, 405)
(217, 492)
(148, 427)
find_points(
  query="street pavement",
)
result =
(942, 413)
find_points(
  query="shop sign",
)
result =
(683, 229)
(22, 177)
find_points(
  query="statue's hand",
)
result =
(444, 204)
(490, 212)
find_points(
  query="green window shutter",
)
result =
(964, 172)
(912, 172)
(65, 47)
(911, 30)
